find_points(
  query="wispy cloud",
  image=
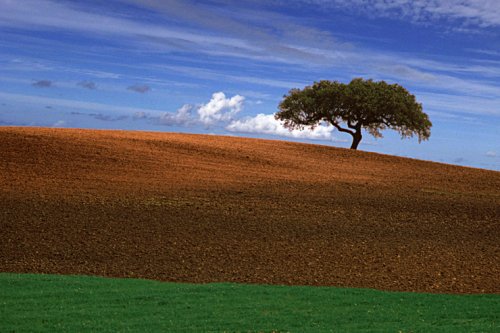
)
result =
(264, 32)
(483, 13)
(460, 105)
(24, 64)
(491, 153)
(212, 75)
(69, 104)
(260, 35)
(139, 115)
(100, 116)
(70, 16)
(485, 51)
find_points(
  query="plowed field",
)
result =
(197, 208)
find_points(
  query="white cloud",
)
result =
(181, 117)
(60, 123)
(491, 153)
(220, 108)
(267, 124)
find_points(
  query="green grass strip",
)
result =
(51, 303)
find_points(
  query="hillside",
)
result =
(197, 208)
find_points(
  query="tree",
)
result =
(361, 104)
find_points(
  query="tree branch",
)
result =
(342, 129)
(337, 126)
(383, 121)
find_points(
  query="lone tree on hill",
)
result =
(361, 104)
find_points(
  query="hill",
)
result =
(197, 208)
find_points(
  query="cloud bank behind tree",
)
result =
(221, 111)
(267, 124)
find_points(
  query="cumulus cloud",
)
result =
(183, 116)
(87, 85)
(267, 124)
(43, 84)
(142, 89)
(220, 108)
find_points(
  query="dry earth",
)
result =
(196, 208)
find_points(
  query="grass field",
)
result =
(30, 302)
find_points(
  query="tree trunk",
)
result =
(356, 139)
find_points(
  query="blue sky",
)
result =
(223, 66)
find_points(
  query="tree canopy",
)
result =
(361, 104)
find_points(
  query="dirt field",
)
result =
(196, 208)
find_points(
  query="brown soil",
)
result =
(197, 208)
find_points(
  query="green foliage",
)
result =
(51, 303)
(361, 104)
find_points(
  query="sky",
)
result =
(223, 66)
